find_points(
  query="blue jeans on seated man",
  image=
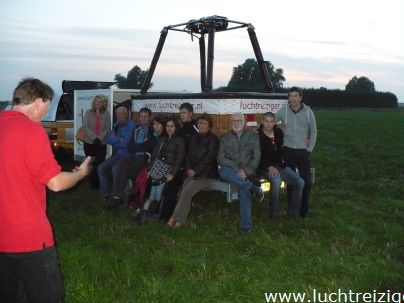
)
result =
(292, 178)
(244, 195)
(108, 173)
(115, 172)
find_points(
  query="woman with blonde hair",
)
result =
(96, 125)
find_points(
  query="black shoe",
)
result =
(139, 216)
(258, 192)
(246, 229)
(113, 202)
(273, 216)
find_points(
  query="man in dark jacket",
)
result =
(201, 168)
(188, 128)
(273, 167)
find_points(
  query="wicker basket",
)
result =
(221, 123)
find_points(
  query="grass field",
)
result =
(354, 239)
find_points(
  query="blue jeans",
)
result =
(292, 178)
(244, 194)
(156, 192)
(108, 173)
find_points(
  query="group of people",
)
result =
(193, 157)
(158, 152)
(139, 149)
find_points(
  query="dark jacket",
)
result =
(240, 153)
(187, 130)
(146, 146)
(271, 153)
(202, 154)
(171, 151)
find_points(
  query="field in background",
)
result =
(354, 238)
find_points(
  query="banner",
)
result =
(211, 106)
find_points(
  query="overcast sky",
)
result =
(317, 43)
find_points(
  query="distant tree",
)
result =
(360, 84)
(247, 76)
(134, 78)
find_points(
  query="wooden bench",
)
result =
(232, 192)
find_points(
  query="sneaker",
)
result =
(113, 202)
(258, 192)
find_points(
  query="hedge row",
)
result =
(342, 98)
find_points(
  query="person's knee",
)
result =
(224, 171)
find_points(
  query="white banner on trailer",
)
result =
(211, 106)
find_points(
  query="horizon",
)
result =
(313, 45)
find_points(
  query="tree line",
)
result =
(246, 77)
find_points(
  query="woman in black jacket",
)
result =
(171, 150)
(201, 169)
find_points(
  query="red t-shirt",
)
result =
(26, 166)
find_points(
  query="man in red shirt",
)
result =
(27, 249)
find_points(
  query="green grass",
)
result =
(353, 240)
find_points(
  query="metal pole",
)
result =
(260, 59)
(153, 64)
(211, 47)
(202, 54)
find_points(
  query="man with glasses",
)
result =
(238, 158)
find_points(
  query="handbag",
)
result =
(80, 135)
(159, 167)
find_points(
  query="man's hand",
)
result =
(272, 171)
(169, 178)
(190, 173)
(242, 174)
(65, 180)
(307, 142)
(84, 168)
